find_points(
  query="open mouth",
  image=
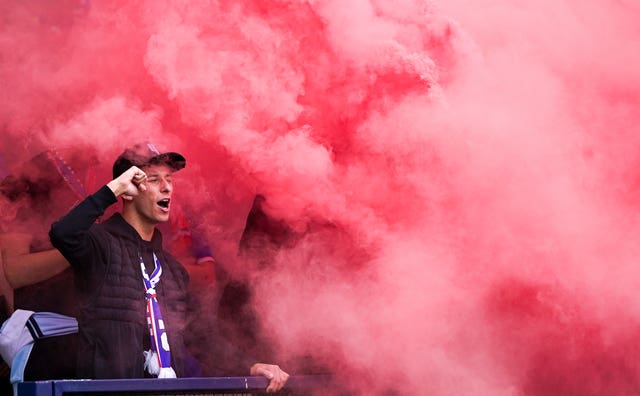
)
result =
(164, 203)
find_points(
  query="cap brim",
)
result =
(175, 160)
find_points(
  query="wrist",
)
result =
(116, 188)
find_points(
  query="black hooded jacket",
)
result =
(105, 258)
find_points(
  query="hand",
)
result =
(276, 376)
(130, 183)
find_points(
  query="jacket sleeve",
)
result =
(71, 234)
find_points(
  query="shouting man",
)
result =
(134, 294)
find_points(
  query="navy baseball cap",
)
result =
(143, 154)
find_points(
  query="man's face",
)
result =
(153, 204)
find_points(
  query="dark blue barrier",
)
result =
(296, 385)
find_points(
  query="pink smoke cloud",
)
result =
(460, 178)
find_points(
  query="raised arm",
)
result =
(23, 268)
(70, 235)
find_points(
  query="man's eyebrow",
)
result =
(158, 174)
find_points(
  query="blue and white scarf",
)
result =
(158, 358)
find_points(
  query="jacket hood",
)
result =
(117, 225)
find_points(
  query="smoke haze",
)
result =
(460, 180)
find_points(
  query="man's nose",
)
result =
(166, 186)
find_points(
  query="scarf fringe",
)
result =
(153, 368)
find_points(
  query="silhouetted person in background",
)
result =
(262, 237)
(34, 276)
(263, 240)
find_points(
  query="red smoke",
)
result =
(460, 178)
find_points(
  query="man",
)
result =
(134, 294)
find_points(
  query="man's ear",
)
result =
(126, 197)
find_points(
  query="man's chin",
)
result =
(162, 218)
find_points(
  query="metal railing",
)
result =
(218, 386)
